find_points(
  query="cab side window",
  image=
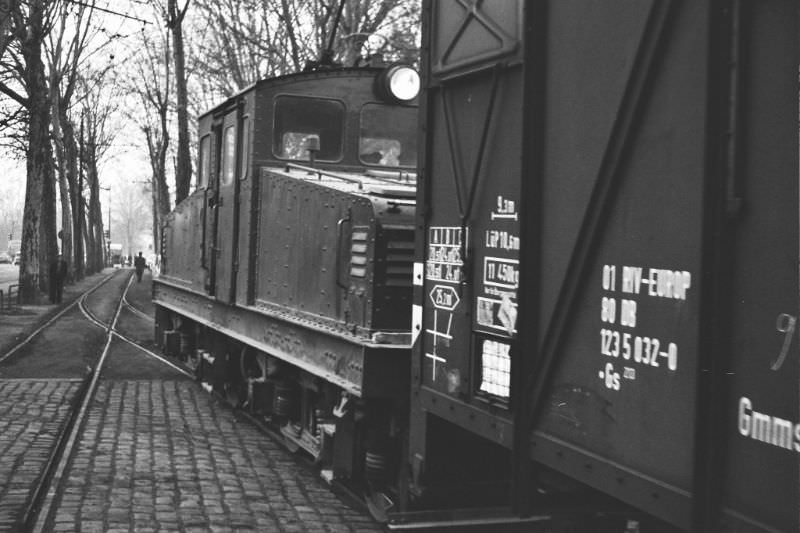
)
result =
(205, 159)
(388, 136)
(228, 156)
(303, 123)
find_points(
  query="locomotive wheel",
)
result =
(291, 432)
(234, 385)
(252, 365)
(378, 505)
(193, 361)
(235, 394)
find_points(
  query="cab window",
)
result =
(202, 172)
(388, 136)
(302, 123)
(228, 156)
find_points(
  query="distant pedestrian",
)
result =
(139, 263)
(58, 273)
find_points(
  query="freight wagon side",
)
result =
(607, 280)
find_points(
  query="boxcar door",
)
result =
(226, 209)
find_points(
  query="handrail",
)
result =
(339, 234)
(320, 173)
(404, 177)
(372, 174)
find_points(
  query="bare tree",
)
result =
(149, 84)
(238, 42)
(362, 19)
(66, 46)
(235, 44)
(32, 21)
(183, 172)
(131, 209)
(99, 104)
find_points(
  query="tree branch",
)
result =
(8, 91)
(182, 12)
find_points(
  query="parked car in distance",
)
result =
(5, 258)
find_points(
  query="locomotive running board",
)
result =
(548, 507)
(460, 518)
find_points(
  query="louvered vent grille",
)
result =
(358, 254)
(399, 258)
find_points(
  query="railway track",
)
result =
(123, 403)
(14, 349)
(37, 508)
(114, 333)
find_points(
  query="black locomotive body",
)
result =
(286, 276)
(607, 267)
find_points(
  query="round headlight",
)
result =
(404, 83)
(400, 83)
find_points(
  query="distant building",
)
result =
(115, 258)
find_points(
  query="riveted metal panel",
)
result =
(305, 234)
(353, 244)
(181, 232)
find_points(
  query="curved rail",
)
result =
(133, 308)
(55, 317)
(97, 322)
(52, 477)
(39, 507)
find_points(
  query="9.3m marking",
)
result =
(643, 350)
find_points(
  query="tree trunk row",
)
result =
(46, 110)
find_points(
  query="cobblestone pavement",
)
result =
(156, 452)
(31, 414)
(166, 456)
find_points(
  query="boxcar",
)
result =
(606, 276)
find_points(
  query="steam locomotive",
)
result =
(586, 305)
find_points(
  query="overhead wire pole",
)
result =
(108, 229)
(78, 219)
